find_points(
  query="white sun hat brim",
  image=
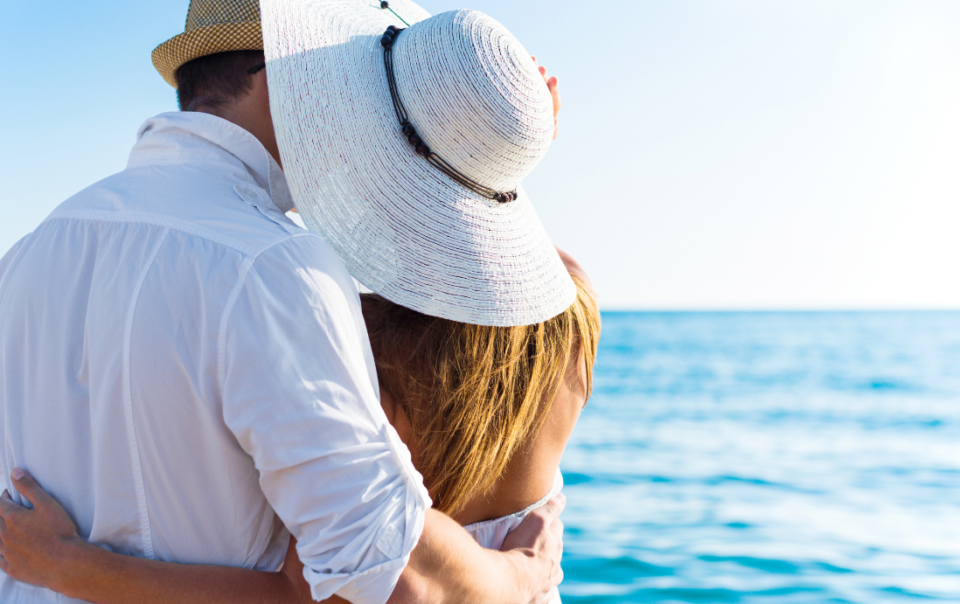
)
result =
(404, 229)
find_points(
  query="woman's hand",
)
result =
(553, 85)
(41, 546)
(34, 543)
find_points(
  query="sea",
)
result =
(768, 457)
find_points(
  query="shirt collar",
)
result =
(157, 140)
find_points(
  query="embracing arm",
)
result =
(448, 566)
(42, 547)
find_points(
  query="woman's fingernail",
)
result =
(18, 473)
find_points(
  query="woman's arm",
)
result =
(41, 546)
(96, 575)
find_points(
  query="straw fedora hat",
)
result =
(462, 242)
(212, 26)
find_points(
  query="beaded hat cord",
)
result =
(408, 130)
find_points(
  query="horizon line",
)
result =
(745, 309)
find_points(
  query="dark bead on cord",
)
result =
(423, 150)
(384, 4)
(388, 36)
(408, 129)
(414, 139)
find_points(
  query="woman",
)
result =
(485, 411)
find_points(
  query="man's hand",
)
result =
(448, 567)
(553, 85)
(34, 543)
(540, 538)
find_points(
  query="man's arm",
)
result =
(449, 566)
(41, 546)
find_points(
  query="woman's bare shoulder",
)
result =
(531, 472)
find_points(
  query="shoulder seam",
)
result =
(175, 225)
(232, 300)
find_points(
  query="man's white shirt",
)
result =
(188, 372)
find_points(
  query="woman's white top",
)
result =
(187, 371)
(491, 533)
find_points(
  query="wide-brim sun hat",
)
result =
(213, 26)
(406, 229)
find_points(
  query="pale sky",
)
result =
(738, 154)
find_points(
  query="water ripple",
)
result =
(768, 457)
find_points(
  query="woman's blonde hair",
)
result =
(475, 394)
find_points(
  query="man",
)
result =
(187, 371)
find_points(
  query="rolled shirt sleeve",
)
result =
(299, 393)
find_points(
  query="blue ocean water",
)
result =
(768, 457)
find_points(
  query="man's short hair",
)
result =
(215, 80)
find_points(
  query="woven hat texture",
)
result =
(404, 229)
(212, 26)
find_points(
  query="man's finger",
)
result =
(542, 519)
(554, 507)
(28, 487)
(556, 527)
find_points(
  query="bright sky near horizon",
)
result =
(713, 154)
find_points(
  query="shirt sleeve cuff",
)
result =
(395, 543)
